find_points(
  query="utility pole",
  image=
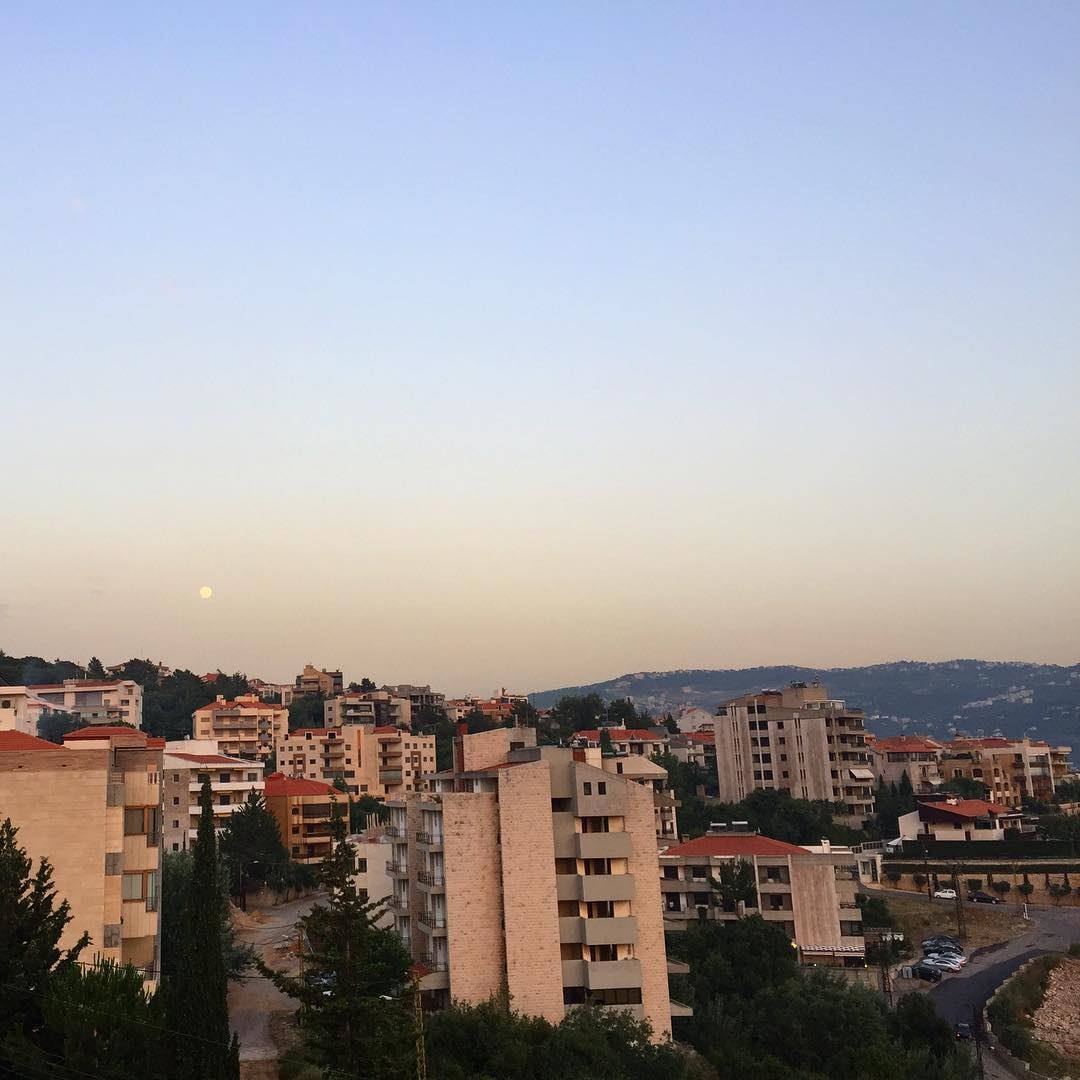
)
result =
(926, 874)
(977, 1035)
(961, 925)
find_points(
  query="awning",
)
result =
(862, 774)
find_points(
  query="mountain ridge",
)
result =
(978, 697)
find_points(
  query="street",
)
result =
(253, 999)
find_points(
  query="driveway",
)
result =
(253, 999)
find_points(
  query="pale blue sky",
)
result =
(495, 344)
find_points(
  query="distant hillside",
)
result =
(975, 696)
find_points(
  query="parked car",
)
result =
(943, 939)
(954, 946)
(945, 894)
(963, 1031)
(984, 898)
(946, 954)
(927, 973)
(943, 962)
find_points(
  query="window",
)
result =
(253, 777)
(562, 806)
(176, 778)
(296, 829)
(140, 820)
(598, 954)
(618, 767)
(176, 800)
(600, 909)
(573, 995)
(361, 866)
(223, 800)
(176, 823)
(851, 929)
(133, 887)
(601, 788)
(568, 909)
(224, 777)
(587, 788)
(566, 866)
(671, 873)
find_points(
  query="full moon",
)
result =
(206, 592)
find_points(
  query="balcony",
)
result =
(429, 840)
(399, 870)
(399, 832)
(431, 879)
(434, 924)
(620, 931)
(595, 887)
(399, 905)
(599, 845)
(433, 962)
(389, 776)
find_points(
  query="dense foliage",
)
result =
(758, 1016)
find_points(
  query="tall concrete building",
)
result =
(93, 808)
(800, 740)
(524, 869)
(1014, 771)
(379, 707)
(377, 761)
(312, 681)
(302, 810)
(185, 765)
(917, 755)
(244, 728)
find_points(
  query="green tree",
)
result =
(965, 787)
(31, 925)
(252, 848)
(671, 724)
(96, 669)
(606, 747)
(357, 1015)
(364, 807)
(101, 1022)
(196, 997)
(306, 711)
(735, 884)
(53, 725)
(524, 713)
(621, 713)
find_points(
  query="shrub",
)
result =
(893, 875)
(1001, 887)
(919, 879)
(974, 884)
(1025, 888)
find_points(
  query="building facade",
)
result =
(302, 811)
(92, 701)
(312, 681)
(244, 728)
(798, 740)
(185, 765)
(378, 761)
(807, 893)
(526, 870)
(1014, 771)
(93, 808)
(371, 879)
(378, 707)
(949, 817)
(917, 755)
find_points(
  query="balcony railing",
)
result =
(435, 963)
(397, 868)
(427, 877)
(429, 838)
(433, 922)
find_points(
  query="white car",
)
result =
(946, 954)
(945, 894)
(945, 963)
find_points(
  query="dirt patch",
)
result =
(1057, 1019)
(920, 919)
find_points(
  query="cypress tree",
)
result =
(197, 1005)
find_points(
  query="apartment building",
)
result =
(377, 761)
(916, 755)
(93, 808)
(1013, 770)
(311, 681)
(419, 697)
(526, 870)
(378, 707)
(694, 748)
(371, 879)
(809, 893)
(949, 817)
(499, 708)
(186, 764)
(93, 701)
(301, 809)
(800, 740)
(637, 742)
(243, 728)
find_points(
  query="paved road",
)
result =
(253, 1000)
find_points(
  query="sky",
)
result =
(526, 345)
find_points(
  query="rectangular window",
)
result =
(224, 777)
(566, 866)
(176, 800)
(223, 800)
(176, 778)
(562, 806)
(587, 788)
(176, 823)
(132, 887)
(601, 788)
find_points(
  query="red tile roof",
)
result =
(904, 744)
(734, 844)
(79, 684)
(967, 808)
(279, 784)
(702, 736)
(221, 706)
(19, 741)
(620, 735)
(105, 731)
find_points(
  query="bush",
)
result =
(1001, 887)
(1025, 888)
(919, 879)
(894, 876)
(974, 884)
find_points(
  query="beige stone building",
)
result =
(377, 761)
(313, 681)
(93, 701)
(917, 755)
(185, 765)
(808, 893)
(93, 808)
(629, 742)
(380, 708)
(302, 811)
(372, 879)
(527, 870)
(243, 728)
(949, 817)
(799, 740)
(1013, 770)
